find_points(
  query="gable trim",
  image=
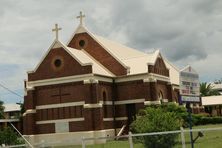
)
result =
(158, 55)
(146, 77)
(57, 43)
(69, 79)
(88, 77)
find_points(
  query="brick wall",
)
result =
(159, 68)
(98, 52)
(62, 93)
(132, 90)
(69, 66)
(45, 128)
(59, 113)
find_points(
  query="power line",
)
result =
(11, 91)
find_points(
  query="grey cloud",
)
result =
(207, 7)
(4, 6)
(186, 31)
(174, 27)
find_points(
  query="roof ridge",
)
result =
(84, 29)
(135, 57)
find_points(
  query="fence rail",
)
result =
(130, 136)
(129, 140)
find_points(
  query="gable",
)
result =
(159, 67)
(92, 47)
(58, 63)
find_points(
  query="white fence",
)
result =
(182, 142)
(131, 140)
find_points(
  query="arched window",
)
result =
(104, 96)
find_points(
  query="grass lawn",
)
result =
(110, 144)
(211, 139)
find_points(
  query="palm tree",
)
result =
(207, 90)
(1, 109)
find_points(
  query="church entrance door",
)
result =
(131, 113)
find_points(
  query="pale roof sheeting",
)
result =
(211, 100)
(140, 64)
(174, 72)
(11, 107)
(137, 65)
(120, 51)
(134, 59)
(82, 56)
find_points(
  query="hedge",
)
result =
(207, 120)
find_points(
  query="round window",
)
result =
(57, 63)
(81, 43)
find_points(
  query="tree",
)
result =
(157, 119)
(207, 90)
(9, 137)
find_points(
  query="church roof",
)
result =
(139, 64)
(81, 57)
(85, 58)
(120, 51)
(174, 72)
(134, 60)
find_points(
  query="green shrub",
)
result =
(208, 120)
(9, 137)
(156, 119)
(180, 111)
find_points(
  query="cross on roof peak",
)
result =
(56, 29)
(81, 16)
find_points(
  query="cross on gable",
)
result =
(56, 29)
(81, 16)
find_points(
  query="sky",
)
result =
(185, 31)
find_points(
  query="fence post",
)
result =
(182, 138)
(130, 140)
(83, 143)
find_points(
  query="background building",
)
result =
(12, 115)
(213, 105)
(217, 85)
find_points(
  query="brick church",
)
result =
(92, 86)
